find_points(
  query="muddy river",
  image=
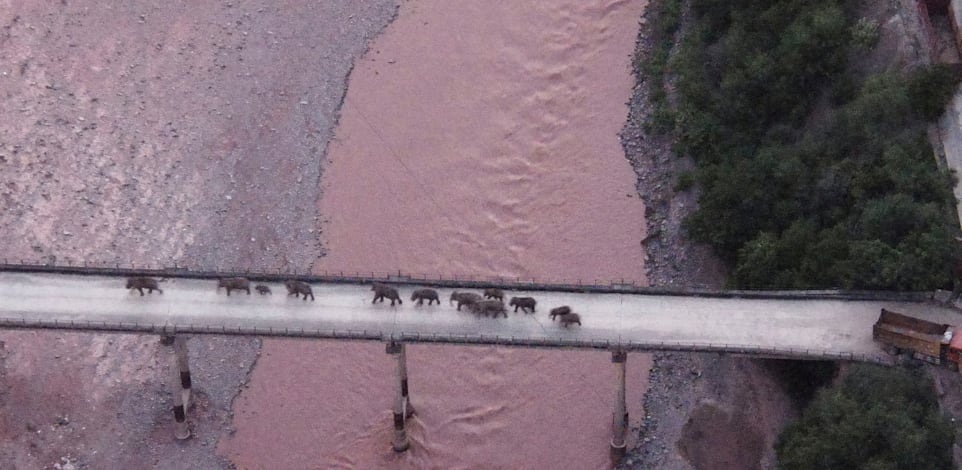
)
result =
(476, 138)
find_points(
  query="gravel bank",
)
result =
(701, 410)
(149, 133)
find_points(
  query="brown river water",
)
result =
(476, 138)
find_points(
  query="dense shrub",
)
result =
(814, 176)
(685, 181)
(654, 67)
(874, 419)
(930, 88)
(865, 33)
(811, 177)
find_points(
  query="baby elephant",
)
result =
(382, 292)
(262, 289)
(298, 288)
(464, 298)
(493, 307)
(421, 295)
(494, 294)
(525, 303)
(234, 283)
(141, 283)
(563, 310)
(569, 318)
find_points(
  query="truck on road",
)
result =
(931, 342)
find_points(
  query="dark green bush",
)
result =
(814, 177)
(685, 181)
(930, 88)
(865, 33)
(810, 177)
(662, 119)
(875, 419)
(667, 20)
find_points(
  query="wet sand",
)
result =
(475, 139)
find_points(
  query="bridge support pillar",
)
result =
(402, 402)
(619, 417)
(180, 350)
(180, 387)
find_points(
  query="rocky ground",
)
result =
(149, 133)
(703, 411)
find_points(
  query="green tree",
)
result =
(876, 418)
(859, 174)
(930, 88)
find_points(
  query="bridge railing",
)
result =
(480, 339)
(456, 281)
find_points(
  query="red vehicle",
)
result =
(935, 343)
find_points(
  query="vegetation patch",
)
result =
(666, 16)
(813, 175)
(874, 419)
(810, 177)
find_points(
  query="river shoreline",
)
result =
(453, 157)
(671, 260)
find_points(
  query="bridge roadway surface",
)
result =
(798, 325)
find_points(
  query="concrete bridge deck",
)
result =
(801, 325)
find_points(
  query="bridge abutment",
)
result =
(180, 386)
(619, 417)
(402, 402)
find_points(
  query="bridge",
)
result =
(832, 325)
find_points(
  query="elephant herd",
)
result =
(490, 303)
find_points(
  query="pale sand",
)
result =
(475, 139)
